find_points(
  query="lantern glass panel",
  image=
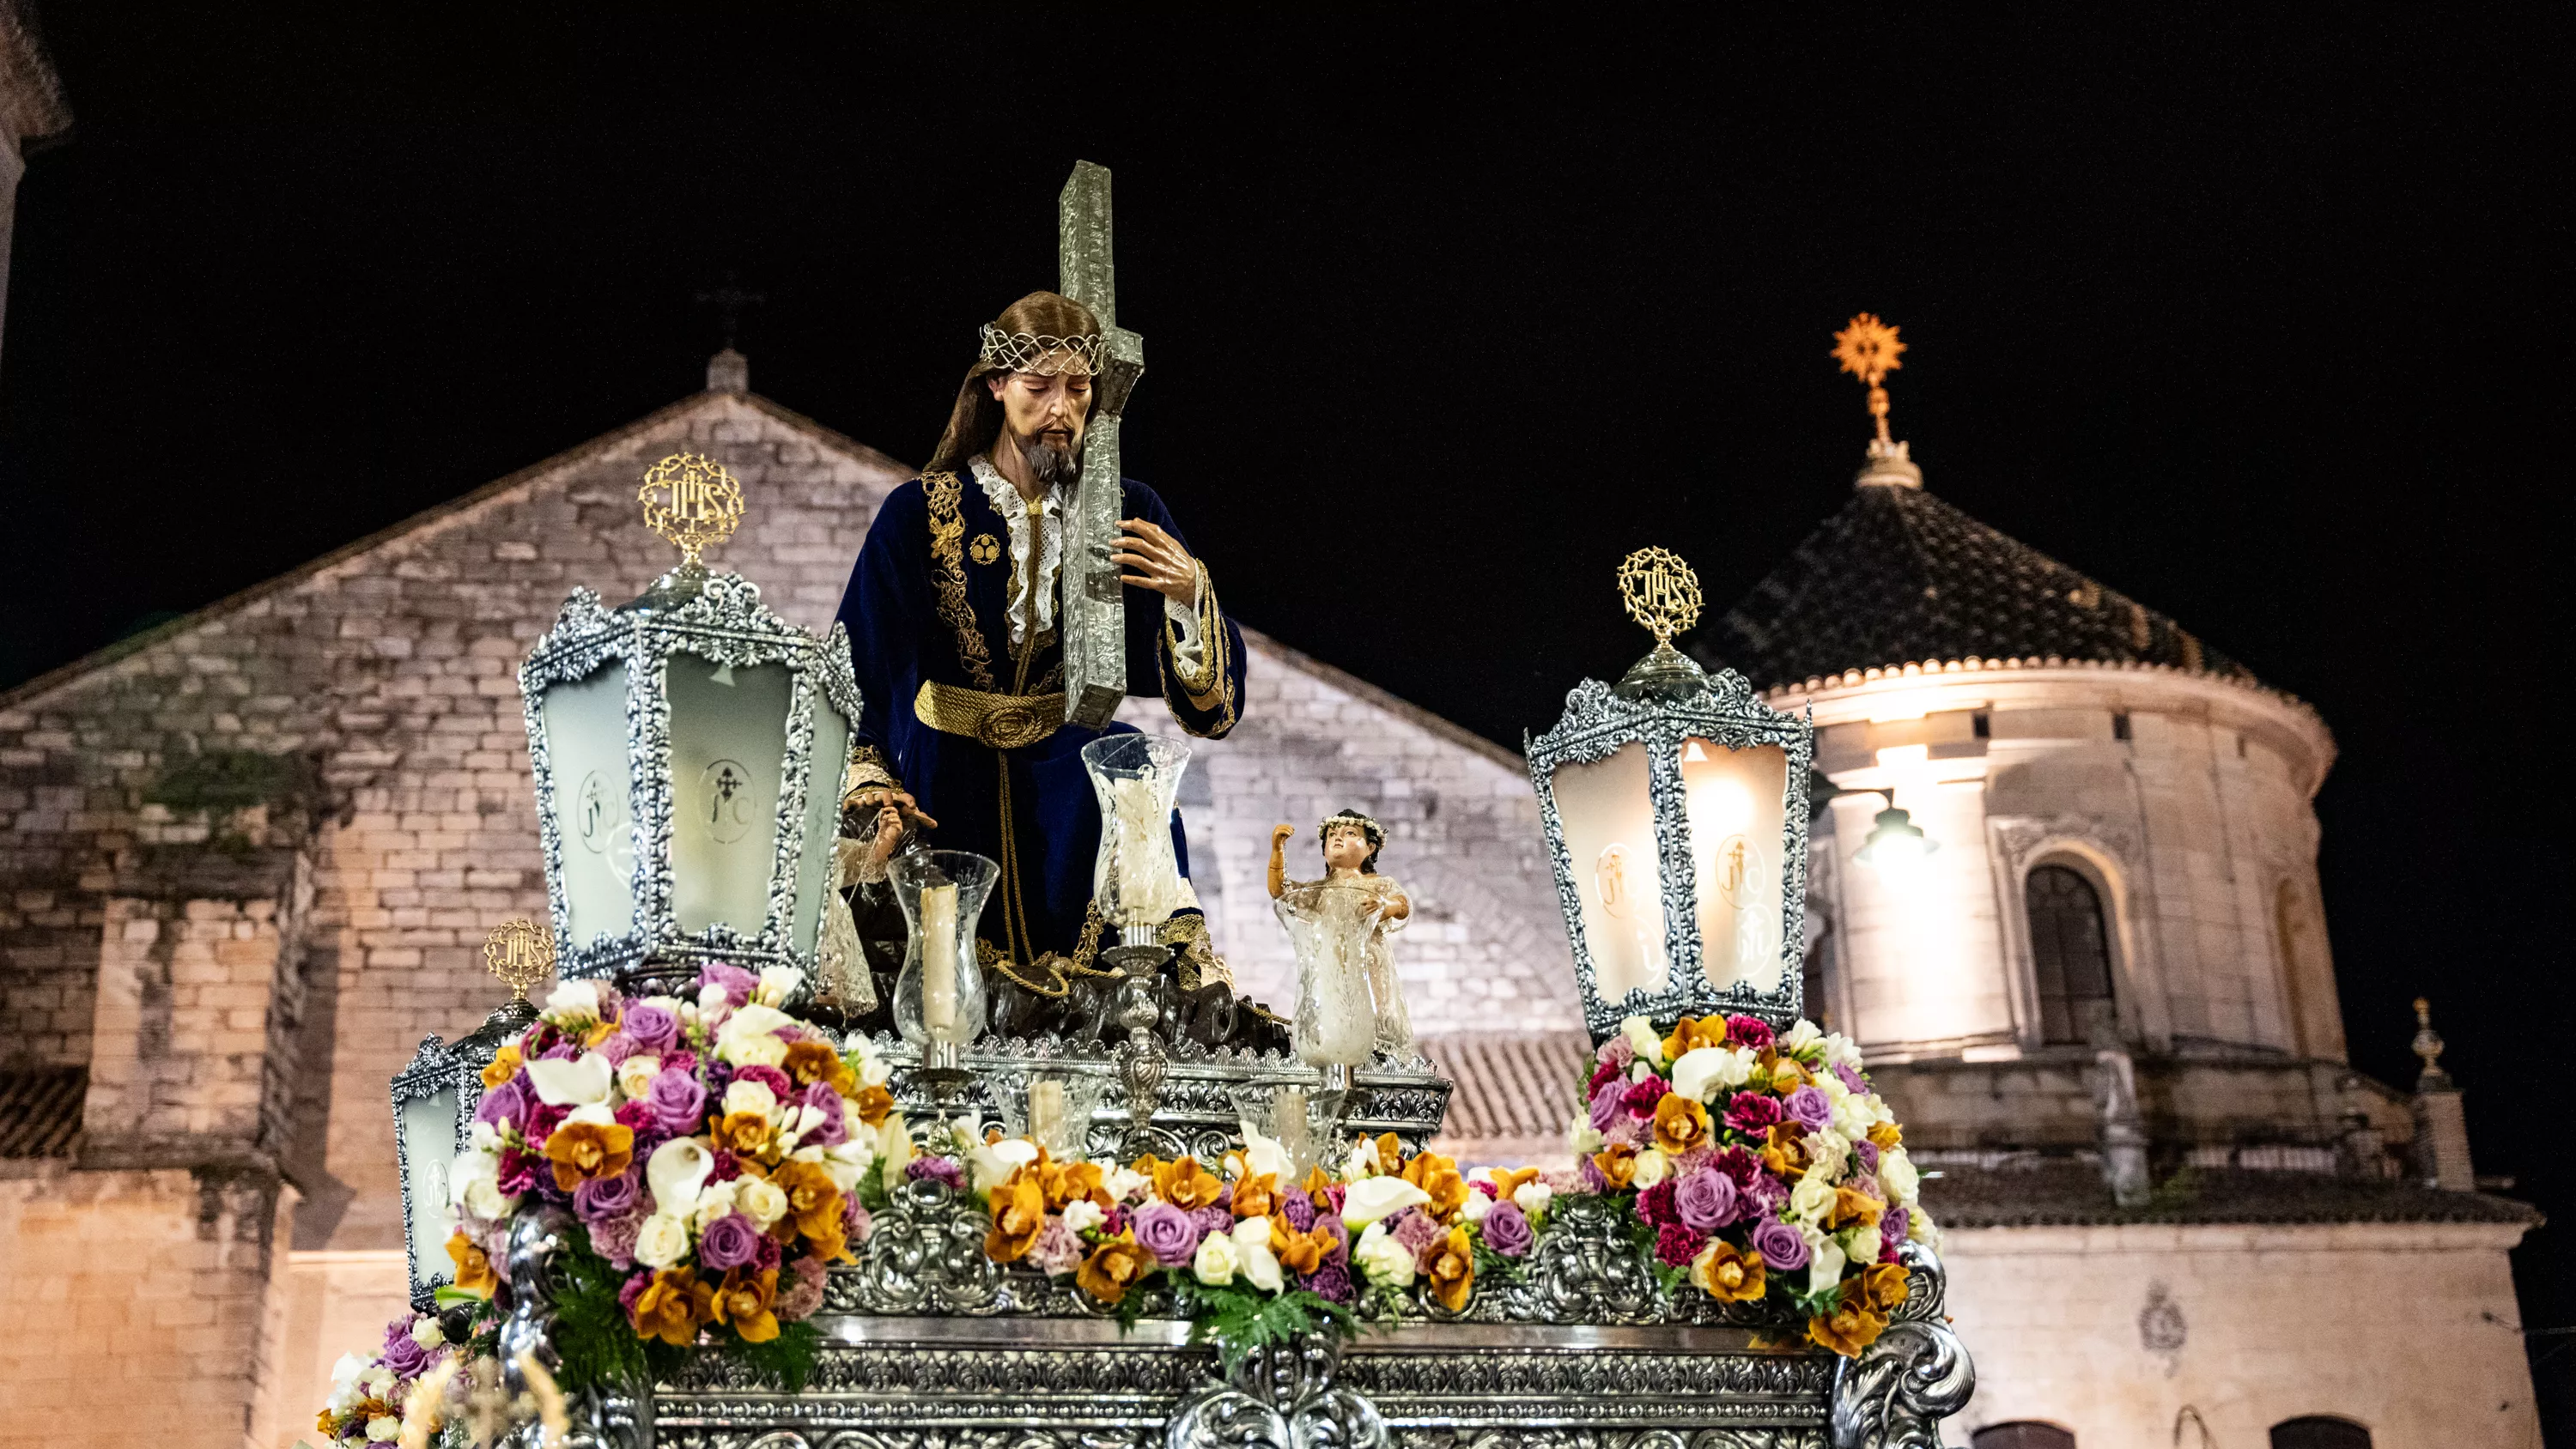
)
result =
(822, 820)
(728, 747)
(1734, 799)
(1609, 817)
(585, 724)
(429, 1149)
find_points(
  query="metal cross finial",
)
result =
(2428, 1042)
(1867, 349)
(730, 301)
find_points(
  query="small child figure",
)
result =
(1348, 999)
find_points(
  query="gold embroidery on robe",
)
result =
(947, 550)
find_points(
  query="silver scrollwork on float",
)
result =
(1663, 713)
(625, 926)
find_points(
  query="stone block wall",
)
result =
(2114, 1332)
(138, 1308)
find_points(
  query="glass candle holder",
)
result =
(939, 998)
(1137, 777)
(1058, 1112)
(1329, 923)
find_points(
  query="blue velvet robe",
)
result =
(929, 600)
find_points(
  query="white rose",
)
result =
(1082, 1215)
(662, 1241)
(1216, 1260)
(1862, 1243)
(762, 1201)
(749, 1037)
(1372, 1198)
(378, 1380)
(427, 1333)
(1840, 1051)
(1896, 1174)
(635, 1074)
(1704, 1074)
(1810, 1198)
(1641, 1035)
(716, 1200)
(1477, 1206)
(1382, 1258)
(1804, 1034)
(1583, 1138)
(574, 1001)
(474, 1184)
(1824, 1262)
(1919, 1228)
(383, 1429)
(1533, 1198)
(748, 1096)
(675, 1172)
(1854, 1115)
(483, 1137)
(777, 983)
(1652, 1166)
(576, 1083)
(1252, 1246)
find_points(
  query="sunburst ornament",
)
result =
(1868, 349)
(1660, 591)
(692, 502)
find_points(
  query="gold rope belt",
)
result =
(1000, 721)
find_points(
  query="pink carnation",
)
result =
(1618, 1053)
(1641, 1098)
(800, 1290)
(1058, 1250)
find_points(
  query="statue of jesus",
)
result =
(953, 614)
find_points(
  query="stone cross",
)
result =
(1095, 626)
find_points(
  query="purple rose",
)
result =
(1780, 1245)
(608, 1197)
(654, 1028)
(617, 1048)
(834, 1128)
(1331, 1282)
(403, 1354)
(1333, 1227)
(1213, 1220)
(935, 1169)
(1589, 1173)
(1167, 1232)
(1605, 1105)
(737, 983)
(562, 1051)
(678, 1102)
(1893, 1227)
(1808, 1108)
(778, 1082)
(507, 1102)
(1299, 1210)
(1858, 1084)
(1867, 1152)
(729, 1242)
(1704, 1201)
(1507, 1230)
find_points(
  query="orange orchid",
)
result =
(1318, 1188)
(1885, 1286)
(813, 1203)
(1784, 1151)
(1019, 1215)
(587, 1151)
(1617, 1163)
(1509, 1180)
(1728, 1273)
(873, 1103)
(809, 1062)
(1452, 1270)
(1884, 1135)
(672, 1306)
(1299, 1252)
(1850, 1326)
(1438, 1176)
(743, 1133)
(1066, 1183)
(1186, 1185)
(1390, 1154)
(1113, 1268)
(1851, 1205)
(1257, 1197)
(1680, 1124)
(503, 1066)
(1693, 1032)
(473, 1267)
(745, 1300)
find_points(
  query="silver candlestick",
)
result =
(1142, 1062)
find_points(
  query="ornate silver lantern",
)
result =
(688, 750)
(436, 1096)
(1675, 804)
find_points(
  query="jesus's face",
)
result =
(1346, 847)
(1043, 416)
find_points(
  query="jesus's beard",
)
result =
(1047, 462)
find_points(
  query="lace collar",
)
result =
(1049, 546)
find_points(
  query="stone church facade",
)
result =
(250, 859)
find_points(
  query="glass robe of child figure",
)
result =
(1348, 1002)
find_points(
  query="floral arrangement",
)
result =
(717, 1153)
(1253, 1256)
(1761, 1166)
(371, 1391)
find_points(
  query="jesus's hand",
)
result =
(1153, 559)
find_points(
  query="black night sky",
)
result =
(2261, 324)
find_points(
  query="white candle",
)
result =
(1288, 1119)
(1148, 876)
(939, 962)
(1046, 1112)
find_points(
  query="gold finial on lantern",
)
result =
(692, 502)
(1867, 349)
(2428, 1042)
(520, 954)
(1660, 591)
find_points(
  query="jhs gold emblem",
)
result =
(984, 549)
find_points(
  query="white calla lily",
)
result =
(676, 1173)
(576, 1083)
(1366, 1201)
